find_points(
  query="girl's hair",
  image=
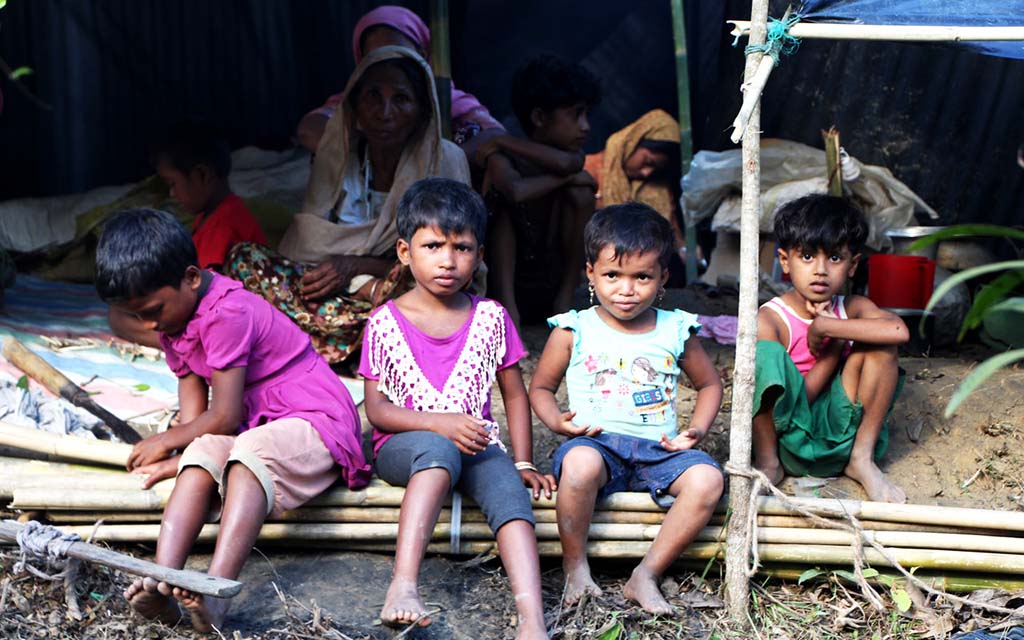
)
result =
(547, 82)
(630, 228)
(413, 73)
(140, 251)
(670, 149)
(449, 205)
(820, 222)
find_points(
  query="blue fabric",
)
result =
(635, 464)
(626, 382)
(1016, 633)
(958, 13)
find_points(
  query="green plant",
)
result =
(992, 298)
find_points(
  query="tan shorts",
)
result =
(287, 456)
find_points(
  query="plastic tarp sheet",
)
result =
(950, 13)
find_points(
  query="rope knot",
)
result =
(45, 542)
(778, 41)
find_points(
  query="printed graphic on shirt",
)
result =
(634, 388)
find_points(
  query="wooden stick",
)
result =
(191, 580)
(64, 447)
(737, 581)
(42, 371)
(833, 162)
(892, 32)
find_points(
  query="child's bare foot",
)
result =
(642, 589)
(403, 606)
(207, 613)
(774, 471)
(532, 632)
(579, 583)
(152, 600)
(878, 487)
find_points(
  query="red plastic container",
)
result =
(900, 282)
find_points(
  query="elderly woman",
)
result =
(338, 257)
(398, 26)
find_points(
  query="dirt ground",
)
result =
(971, 459)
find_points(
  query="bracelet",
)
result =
(526, 466)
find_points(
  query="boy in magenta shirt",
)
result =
(279, 429)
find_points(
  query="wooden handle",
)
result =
(43, 372)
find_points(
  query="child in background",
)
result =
(430, 358)
(195, 163)
(280, 427)
(827, 373)
(621, 360)
(537, 189)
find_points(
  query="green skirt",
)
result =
(814, 439)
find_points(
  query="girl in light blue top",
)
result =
(620, 360)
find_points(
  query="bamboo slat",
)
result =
(64, 447)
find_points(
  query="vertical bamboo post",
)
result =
(685, 126)
(833, 162)
(441, 62)
(737, 542)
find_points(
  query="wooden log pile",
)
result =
(959, 548)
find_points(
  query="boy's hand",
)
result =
(149, 450)
(685, 440)
(487, 149)
(536, 481)
(567, 427)
(584, 179)
(820, 309)
(816, 340)
(158, 471)
(468, 433)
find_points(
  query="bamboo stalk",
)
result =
(64, 447)
(892, 32)
(738, 540)
(191, 580)
(833, 161)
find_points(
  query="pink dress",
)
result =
(284, 377)
(451, 374)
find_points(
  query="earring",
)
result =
(590, 290)
(661, 295)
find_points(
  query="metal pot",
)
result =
(903, 237)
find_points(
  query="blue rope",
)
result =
(778, 42)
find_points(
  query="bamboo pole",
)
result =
(738, 540)
(892, 32)
(191, 580)
(64, 447)
(440, 61)
(833, 162)
(685, 125)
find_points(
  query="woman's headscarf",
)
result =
(311, 237)
(616, 187)
(411, 26)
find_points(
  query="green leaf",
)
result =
(23, 383)
(3, 3)
(141, 387)
(980, 375)
(612, 633)
(846, 575)
(869, 573)
(902, 600)
(808, 575)
(967, 231)
(987, 296)
(950, 282)
(20, 72)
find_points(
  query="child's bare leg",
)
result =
(421, 506)
(697, 492)
(245, 508)
(183, 518)
(518, 545)
(583, 474)
(870, 376)
(501, 259)
(576, 206)
(765, 439)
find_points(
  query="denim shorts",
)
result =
(636, 464)
(489, 477)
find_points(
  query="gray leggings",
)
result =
(489, 477)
